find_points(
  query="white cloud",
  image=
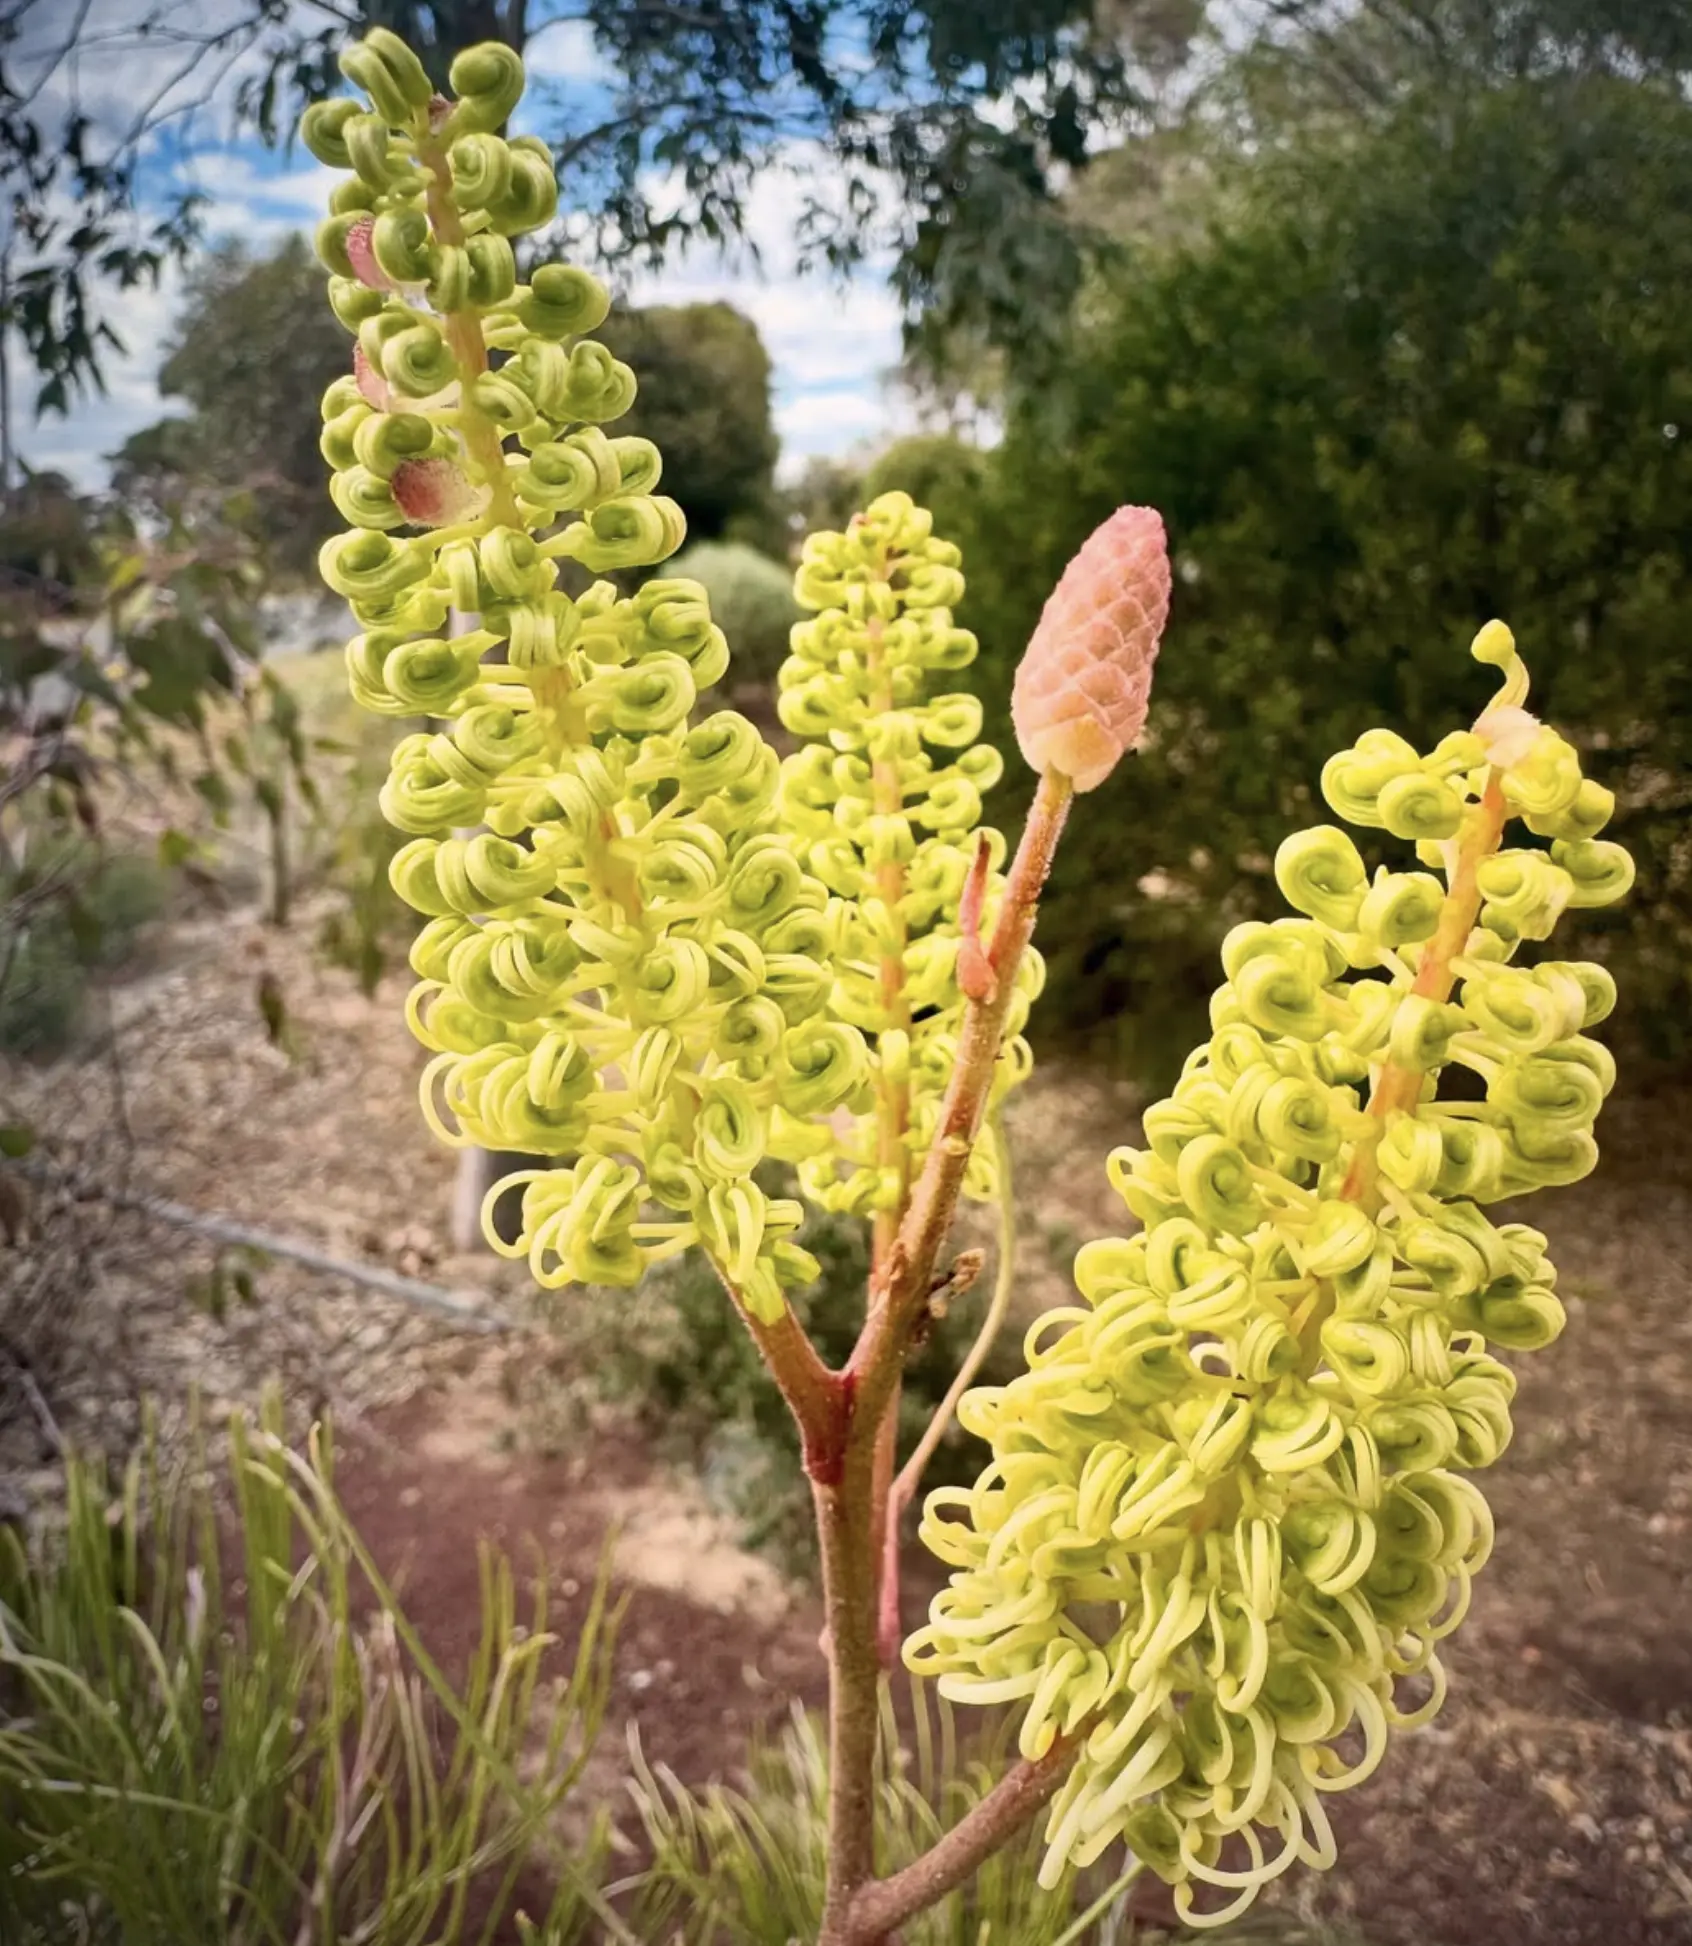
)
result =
(263, 206)
(563, 52)
(833, 341)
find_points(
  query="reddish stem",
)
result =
(976, 977)
(879, 1354)
(1013, 1801)
(1399, 1087)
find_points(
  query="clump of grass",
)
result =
(263, 1753)
(745, 1866)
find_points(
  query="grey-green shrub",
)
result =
(77, 910)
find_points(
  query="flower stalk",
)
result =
(671, 957)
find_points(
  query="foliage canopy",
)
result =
(1427, 373)
(937, 127)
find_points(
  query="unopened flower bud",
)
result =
(1085, 680)
(1508, 734)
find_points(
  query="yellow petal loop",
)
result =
(883, 797)
(628, 970)
(1227, 1521)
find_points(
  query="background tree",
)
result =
(1366, 56)
(939, 470)
(1423, 371)
(705, 394)
(940, 132)
(826, 493)
(251, 352)
(48, 532)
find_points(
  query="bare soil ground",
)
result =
(1550, 1805)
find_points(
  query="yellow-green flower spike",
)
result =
(884, 800)
(627, 968)
(1230, 1514)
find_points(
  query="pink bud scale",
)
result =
(1084, 682)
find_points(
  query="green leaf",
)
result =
(16, 1140)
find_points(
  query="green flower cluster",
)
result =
(1229, 1517)
(627, 968)
(884, 799)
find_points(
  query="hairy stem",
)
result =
(463, 331)
(907, 1277)
(846, 1529)
(905, 1487)
(816, 1397)
(847, 1521)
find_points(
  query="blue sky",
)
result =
(831, 344)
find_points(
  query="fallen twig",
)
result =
(34, 1397)
(466, 1311)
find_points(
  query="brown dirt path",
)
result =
(1551, 1804)
(712, 1641)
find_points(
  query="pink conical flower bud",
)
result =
(435, 492)
(1084, 682)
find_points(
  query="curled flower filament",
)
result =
(1229, 1516)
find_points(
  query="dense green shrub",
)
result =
(1413, 378)
(705, 398)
